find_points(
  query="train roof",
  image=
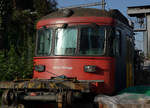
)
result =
(84, 12)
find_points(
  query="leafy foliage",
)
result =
(16, 59)
(43, 7)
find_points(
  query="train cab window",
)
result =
(92, 41)
(44, 42)
(66, 41)
(117, 43)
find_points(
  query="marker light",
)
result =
(39, 68)
(89, 68)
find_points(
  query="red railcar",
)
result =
(80, 53)
(88, 44)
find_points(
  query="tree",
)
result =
(19, 33)
(24, 4)
(5, 13)
(44, 7)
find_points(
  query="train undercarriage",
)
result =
(56, 92)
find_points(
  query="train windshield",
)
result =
(92, 41)
(70, 41)
(44, 42)
(66, 41)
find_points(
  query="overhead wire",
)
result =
(74, 3)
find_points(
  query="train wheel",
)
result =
(6, 106)
(20, 106)
(12, 106)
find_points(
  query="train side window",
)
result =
(117, 43)
(44, 42)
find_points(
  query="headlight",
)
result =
(39, 68)
(89, 68)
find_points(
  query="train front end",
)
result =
(76, 46)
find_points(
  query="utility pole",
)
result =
(103, 4)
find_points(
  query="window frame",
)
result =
(105, 38)
(53, 36)
(76, 41)
(51, 43)
(118, 37)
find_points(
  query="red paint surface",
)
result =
(74, 67)
(76, 20)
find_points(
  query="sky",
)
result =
(111, 4)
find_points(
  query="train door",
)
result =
(119, 52)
